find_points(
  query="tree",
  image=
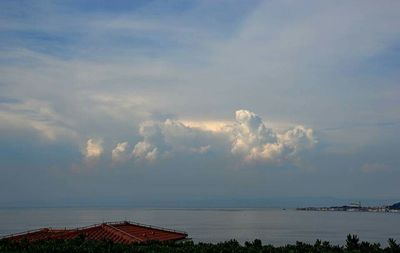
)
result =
(393, 246)
(352, 242)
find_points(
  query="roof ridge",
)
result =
(155, 227)
(122, 232)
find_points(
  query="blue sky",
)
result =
(182, 102)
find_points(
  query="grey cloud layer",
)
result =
(70, 78)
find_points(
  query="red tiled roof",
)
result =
(119, 232)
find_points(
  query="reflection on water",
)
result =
(272, 226)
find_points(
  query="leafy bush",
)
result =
(81, 245)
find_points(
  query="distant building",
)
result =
(355, 205)
(119, 232)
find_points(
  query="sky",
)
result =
(198, 103)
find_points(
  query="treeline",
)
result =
(81, 245)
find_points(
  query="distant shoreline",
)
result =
(356, 207)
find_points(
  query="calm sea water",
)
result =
(274, 226)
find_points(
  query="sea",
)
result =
(271, 225)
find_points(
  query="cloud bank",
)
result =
(247, 138)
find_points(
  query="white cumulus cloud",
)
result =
(163, 139)
(247, 138)
(119, 153)
(254, 141)
(94, 149)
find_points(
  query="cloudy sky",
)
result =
(173, 103)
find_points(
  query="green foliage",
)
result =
(352, 242)
(81, 245)
(393, 246)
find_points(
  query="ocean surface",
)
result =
(272, 226)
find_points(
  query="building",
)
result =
(119, 232)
